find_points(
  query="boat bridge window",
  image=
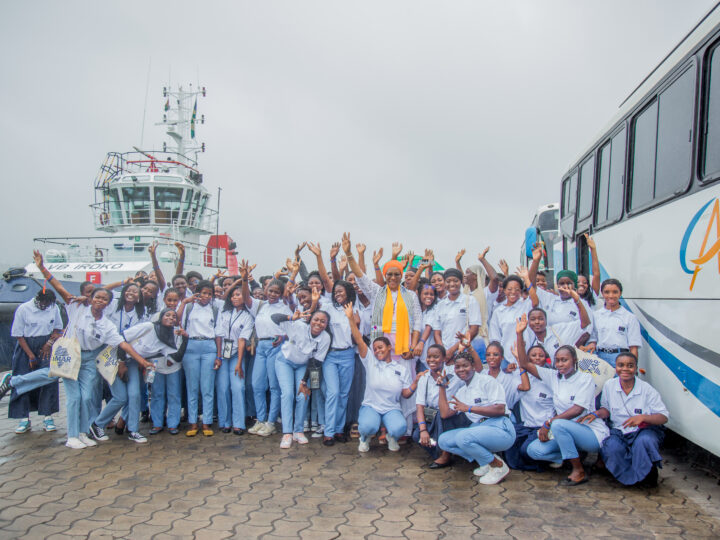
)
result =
(114, 208)
(611, 170)
(158, 178)
(711, 143)
(185, 220)
(137, 204)
(168, 201)
(662, 143)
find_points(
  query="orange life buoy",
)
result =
(104, 218)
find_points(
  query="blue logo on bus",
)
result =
(707, 250)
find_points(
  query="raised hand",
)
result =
(342, 265)
(348, 309)
(37, 258)
(315, 295)
(537, 251)
(298, 249)
(396, 250)
(459, 405)
(481, 256)
(429, 255)
(521, 324)
(334, 249)
(377, 256)
(590, 241)
(152, 247)
(243, 269)
(523, 273)
(315, 248)
(346, 244)
(181, 248)
(504, 268)
(459, 255)
(360, 248)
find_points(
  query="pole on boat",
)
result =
(217, 226)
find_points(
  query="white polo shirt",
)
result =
(234, 325)
(642, 399)
(502, 324)
(200, 322)
(481, 391)
(579, 389)
(143, 339)
(454, 316)
(301, 345)
(91, 333)
(617, 329)
(550, 343)
(29, 321)
(121, 319)
(536, 405)
(384, 383)
(339, 324)
(509, 382)
(562, 311)
(428, 392)
(263, 311)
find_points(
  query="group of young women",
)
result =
(472, 364)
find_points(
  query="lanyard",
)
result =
(232, 321)
(120, 326)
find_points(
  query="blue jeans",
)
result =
(31, 381)
(79, 395)
(338, 370)
(263, 375)
(569, 437)
(369, 421)
(289, 376)
(124, 394)
(479, 441)
(317, 405)
(608, 357)
(198, 363)
(167, 388)
(230, 390)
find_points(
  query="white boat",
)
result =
(147, 196)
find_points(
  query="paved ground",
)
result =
(228, 486)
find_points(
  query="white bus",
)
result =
(545, 228)
(648, 190)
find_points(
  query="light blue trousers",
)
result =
(289, 376)
(198, 364)
(608, 357)
(123, 394)
(479, 441)
(263, 376)
(338, 370)
(569, 437)
(79, 395)
(369, 421)
(166, 389)
(31, 381)
(230, 391)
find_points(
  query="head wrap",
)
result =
(165, 334)
(453, 272)
(568, 274)
(393, 264)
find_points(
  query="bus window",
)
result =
(662, 143)
(568, 204)
(587, 173)
(548, 221)
(611, 170)
(711, 146)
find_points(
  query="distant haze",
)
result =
(439, 124)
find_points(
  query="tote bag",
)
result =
(66, 358)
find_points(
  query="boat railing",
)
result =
(154, 161)
(88, 249)
(148, 213)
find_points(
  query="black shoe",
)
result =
(145, 417)
(435, 465)
(5, 384)
(238, 431)
(225, 430)
(651, 480)
(328, 441)
(341, 437)
(120, 430)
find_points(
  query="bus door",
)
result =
(568, 206)
(584, 214)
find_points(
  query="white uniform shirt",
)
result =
(550, 343)
(338, 324)
(365, 313)
(491, 300)
(371, 290)
(384, 383)
(562, 311)
(263, 311)
(579, 389)
(482, 391)
(234, 325)
(121, 319)
(429, 318)
(91, 333)
(509, 382)
(167, 365)
(502, 325)
(455, 316)
(617, 329)
(144, 340)
(536, 405)
(30, 321)
(200, 322)
(428, 392)
(301, 345)
(642, 399)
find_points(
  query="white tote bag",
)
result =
(66, 358)
(107, 360)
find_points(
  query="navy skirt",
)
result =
(44, 400)
(517, 457)
(630, 457)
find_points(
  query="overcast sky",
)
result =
(439, 124)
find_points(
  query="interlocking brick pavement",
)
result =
(227, 486)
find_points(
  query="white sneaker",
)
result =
(306, 426)
(482, 470)
(75, 443)
(319, 432)
(495, 474)
(137, 437)
(87, 441)
(392, 443)
(286, 441)
(364, 446)
(257, 426)
(267, 429)
(300, 438)
(555, 464)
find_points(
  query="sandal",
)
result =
(354, 431)
(192, 431)
(207, 432)
(155, 430)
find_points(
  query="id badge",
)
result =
(227, 349)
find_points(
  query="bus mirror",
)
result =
(531, 238)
